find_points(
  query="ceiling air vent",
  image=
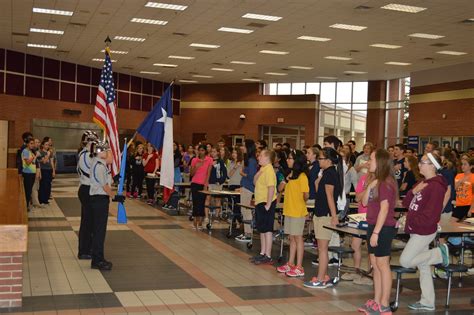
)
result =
(354, 51)
(428, 58)
(203, 50)
(19, 34)
(258, 25)
(128, 67)
(468, 21)
(62, 51)
(85, 11)
(271, 43)
(439, 45)
(353, 64)
(217, 64)
(363, 7)
(143, 58)
(193, 72)
(285, 69)
(77, 24)
(179, 34)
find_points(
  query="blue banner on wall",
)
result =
(413, 142)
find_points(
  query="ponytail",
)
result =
(340, 173)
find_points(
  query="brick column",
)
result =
(11, 279)
(376, 96)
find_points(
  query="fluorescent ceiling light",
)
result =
(242, 62)
(301, 67)
(131, 39)
(450, 52)
(102, 59)
(276, 73)
(149, 21)
(180, 57)
(252, 80)
(187, 81)
(42, 46)
(235, 30)
(117, 52)
(354, 72)
(202, 76)
(274, 52)
(427, 36)
(166, 65)
(261, 17)
(327, 78)
(337, 58)
(222, 69)
(41, 30)
(204, 45)
(397, 63)
(388, 46)
(166, 6)
(403, 8)
(49, 11)
(314, 38)
(348, 27)
(150, 72)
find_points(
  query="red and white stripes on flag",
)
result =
(105, 111)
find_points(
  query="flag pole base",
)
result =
(121, 214)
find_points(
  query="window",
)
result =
(396, 111)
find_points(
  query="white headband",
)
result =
(433, 160)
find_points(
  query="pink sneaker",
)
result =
(368, 306)
(129, 195)
(284, 268)
(295, 272)
(135, 195)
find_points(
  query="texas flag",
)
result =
(157, 128)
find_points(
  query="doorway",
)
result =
(3, 143)
(294, 135)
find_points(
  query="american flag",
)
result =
(104, 112)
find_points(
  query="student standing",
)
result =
(138, 172)
(411, 176)
(399, 163)
(151, 166)
(449, 172)
(362, 162)
(234, 169)
(200, 172)
(84, 163)
(380, 198)
(217, 178)
(295, 212)
(464, 184)
(28, 172)
(129, 169)
(46, 168)
(247, 188)
(425, 202)
(265, 204)
(35, 189)
(100, 192)
(329, 187)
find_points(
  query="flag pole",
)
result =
(107, 42)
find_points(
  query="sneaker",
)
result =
(315, 262)
(244, 239)
(308, 243)
(150, 202)
(349, 276)
(441, 274)
(314, 283)
(333, 262)
(384, 310)
(264, 261)
(135, 195)
(256, 257)
(102, 265)
(295, 272)
(445, 254)
(129, 195)
(285, 268)
(372, 309)
(367, 306)
(361, 280)
(420, 307)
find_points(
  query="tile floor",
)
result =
(161, 266)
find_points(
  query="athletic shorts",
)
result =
(386, 236)
(294, 226)
(264, 219)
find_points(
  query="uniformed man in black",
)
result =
(84, 164)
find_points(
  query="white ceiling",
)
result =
(202, 18)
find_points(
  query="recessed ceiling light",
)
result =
(42, 46)
(327, 78)
(354, 72)
(235, 30)
(41, 30)
(403, 8)
(388, 46)
(102, 59)
(274, 52)
(148, 21)
(301, 67)
(166, 65)
(117, 52)
(222, 69)
(204, 45)
(261, 17)
(181, 57)
(450, 52)
(276, 73)
(337, 58)
(49, 11)
(251, 80)
(397, 63)
(131, 39)
(202, 76)
(166, 6)
(348, 27)
(150, 72)
(187, 81)
(427, 36)
(314, 38)
(242, 62)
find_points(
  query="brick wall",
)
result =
(11, 279)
